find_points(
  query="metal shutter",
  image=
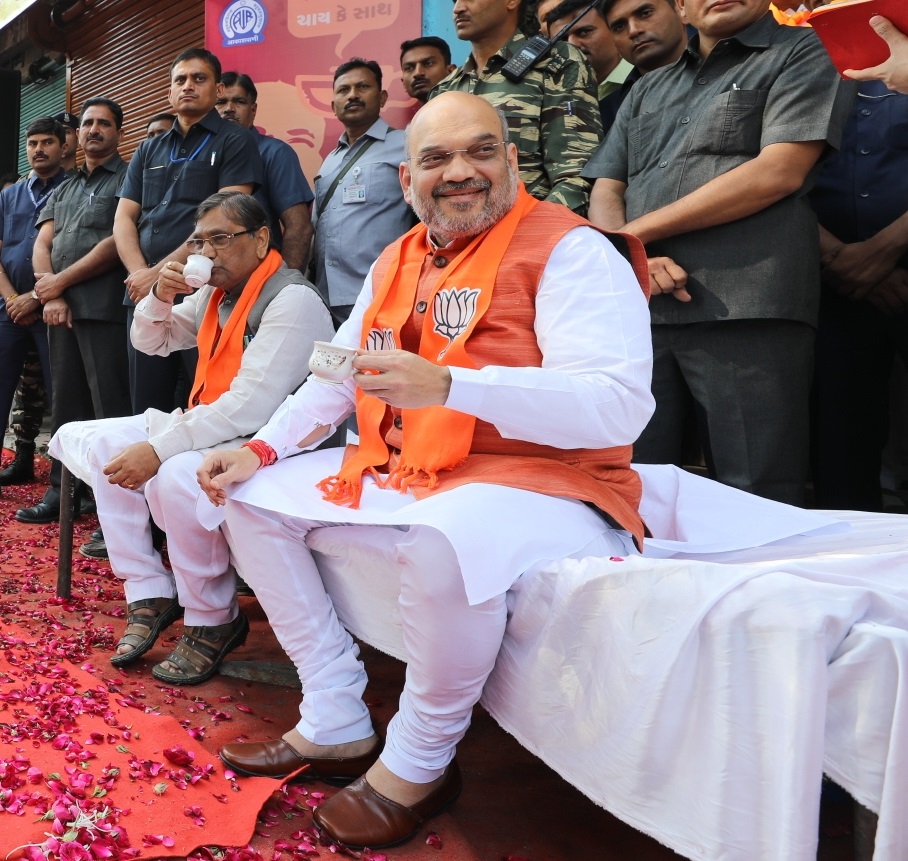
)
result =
(122, 49)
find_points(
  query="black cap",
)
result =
(68, 119)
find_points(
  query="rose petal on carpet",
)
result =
(85, 764)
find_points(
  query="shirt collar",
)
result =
(620, 73)
(110, 165)
(499, 58)
(55, 180)
(211, 122)
(756, 35)
(378, 130)
(454, 245)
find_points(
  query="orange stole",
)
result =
(221, 352)
(439, 437)
(505, 336)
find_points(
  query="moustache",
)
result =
(467, 185)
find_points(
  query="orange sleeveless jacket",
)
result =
(505, 336)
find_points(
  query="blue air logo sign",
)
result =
(242, 23)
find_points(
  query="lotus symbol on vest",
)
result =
(381, 339)
(453, 310)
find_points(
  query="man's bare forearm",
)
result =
(102, 258)
(297, 236)
(41, 261)
(126, 239)
(7, 291)
(607, 208)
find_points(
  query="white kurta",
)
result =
(592, 391)
(273, 364)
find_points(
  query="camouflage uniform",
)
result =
(553, 117)
(27, 413)
(30, 399)
(28, 404)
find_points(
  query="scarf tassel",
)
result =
(341, 491)
(403, 477)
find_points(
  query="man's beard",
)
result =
(449, 226)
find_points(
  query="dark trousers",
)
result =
(15, 341)
(90, 372)
(159, 382)
(747, 383)
(856, 348)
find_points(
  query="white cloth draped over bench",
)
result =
(699, 698)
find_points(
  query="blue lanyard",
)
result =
(195, 152)
(41, 201)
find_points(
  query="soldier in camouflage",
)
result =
(30, 398)
(553, 114)
(26, 418)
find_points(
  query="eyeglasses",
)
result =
(476, 154)
(218, 242)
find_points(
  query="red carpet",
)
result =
(77, 748)
(84, 760)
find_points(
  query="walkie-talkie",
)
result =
(535, 49)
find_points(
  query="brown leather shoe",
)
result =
(277, 759)
(358, 816)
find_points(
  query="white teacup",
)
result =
(331, 363)
(197, 270)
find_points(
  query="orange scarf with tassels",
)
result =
(435, 438)
(221, 352)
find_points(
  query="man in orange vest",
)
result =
(254, 322)
(502, 374)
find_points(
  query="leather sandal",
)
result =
(142, 629)
(201, 650)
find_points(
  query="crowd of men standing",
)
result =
(708, 133)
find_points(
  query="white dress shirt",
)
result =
(275, 362)
(592, 390)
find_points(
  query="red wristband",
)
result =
(266, 454)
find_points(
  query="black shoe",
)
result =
(48, 509)
(20, 470)
(95, 547)
(43, 512)
(243, 588)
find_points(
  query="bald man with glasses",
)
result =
(255, 324)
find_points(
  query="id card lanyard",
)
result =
(337, 179)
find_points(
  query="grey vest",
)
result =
(277, 282)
